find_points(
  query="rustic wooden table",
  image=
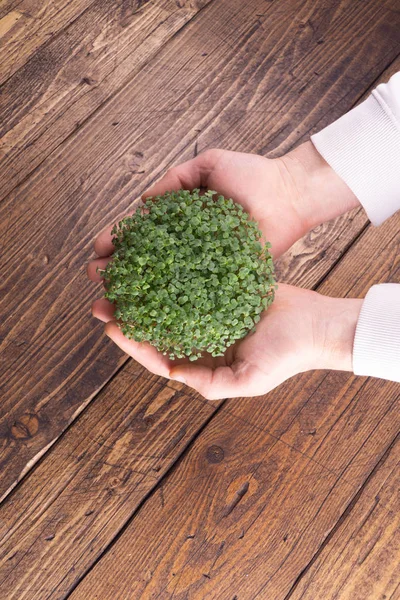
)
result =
(117, 484)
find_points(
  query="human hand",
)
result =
(287, 196)
(283, 345)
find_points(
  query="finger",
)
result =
(103, 245)
(191, 174)
(222, 382)
(94, 265)
(103, 310)
(142, 352)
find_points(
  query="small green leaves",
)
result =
(189, 274)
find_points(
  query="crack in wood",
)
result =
(241, 492)
(219, 552)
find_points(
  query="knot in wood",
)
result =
(215, 454)
(25, 427)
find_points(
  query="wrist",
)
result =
(321, 194)
(337, 322)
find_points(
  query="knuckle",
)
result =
(210, 154)
(171, 172)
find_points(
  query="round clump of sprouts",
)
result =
(189, 274)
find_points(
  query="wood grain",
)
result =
(69, 78)
(7, 6)
(361, 559)
(60, 361)
(108, 461)
(25, 26)
(54, 359)
(265, 483)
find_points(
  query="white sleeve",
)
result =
(363, 147)
(376, 349)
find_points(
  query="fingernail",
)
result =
(179, 378)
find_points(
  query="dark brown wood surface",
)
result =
(125, 470)
(162, 115)
(361, 557)
(69, 78)
(98, 99)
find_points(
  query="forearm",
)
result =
(321, 194)
(359, 335)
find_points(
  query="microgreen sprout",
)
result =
(189, 274)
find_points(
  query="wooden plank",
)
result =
(67, 380)
(48, 351)
(59, 361)
(70, 77)
(361, 559)
(246, 509)
(27, 25)
(7, 22)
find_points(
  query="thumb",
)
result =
(188, 175)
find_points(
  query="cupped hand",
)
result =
(268, 189)
(262, 186)
(287, 196)
(302, 330)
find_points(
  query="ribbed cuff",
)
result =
(376, 349)
(363, 148)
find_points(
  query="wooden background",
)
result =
(116, 484)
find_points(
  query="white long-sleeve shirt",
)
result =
(363, 147)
